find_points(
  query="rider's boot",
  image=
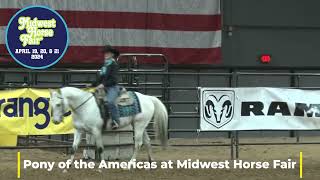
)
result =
(115, 125)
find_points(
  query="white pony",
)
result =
(87, 119)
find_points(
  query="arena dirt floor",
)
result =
(311, 162)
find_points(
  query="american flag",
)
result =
(186, 31)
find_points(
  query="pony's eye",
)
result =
(58, 105)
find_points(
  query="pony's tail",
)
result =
(160, 118)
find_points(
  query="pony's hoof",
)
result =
(126, 168)
(85, 155)
(85, 158)
(99, 170)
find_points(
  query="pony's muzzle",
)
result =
(56, 122)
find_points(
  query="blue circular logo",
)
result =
(37, 37)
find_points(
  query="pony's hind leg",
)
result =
(137, 142)
(99, 143)
(146, 142)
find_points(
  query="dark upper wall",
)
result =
(289, 30)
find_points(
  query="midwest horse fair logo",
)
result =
(37, 37)
(218, 107)
(35, 32)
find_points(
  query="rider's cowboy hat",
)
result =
(109, 48)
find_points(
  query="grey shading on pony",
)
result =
(86, 118)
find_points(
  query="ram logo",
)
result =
(218, 107)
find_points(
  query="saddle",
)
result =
(123, 99)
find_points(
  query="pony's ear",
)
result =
(51, 91)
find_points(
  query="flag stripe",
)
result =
(145, 6)
(130, 20)
(186, 31)
(6, 15)
(155, 21)
(93, 55)
(140, 38)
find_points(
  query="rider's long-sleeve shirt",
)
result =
(109, 73)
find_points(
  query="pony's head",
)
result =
(58, 105)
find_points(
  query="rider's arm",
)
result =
(106, 68)
(105, 71)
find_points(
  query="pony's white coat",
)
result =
(87, 119)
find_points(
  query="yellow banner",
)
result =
(8, 140)
(27, 112)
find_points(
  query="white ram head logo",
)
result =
(218, 111)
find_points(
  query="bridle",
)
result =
(73, 109)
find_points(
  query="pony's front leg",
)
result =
(76, 142)
(85, 150)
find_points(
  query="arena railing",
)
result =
(30, 81)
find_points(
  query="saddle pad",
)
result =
(130, 110)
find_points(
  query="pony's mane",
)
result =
(74, 90)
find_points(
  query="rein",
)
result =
(74, 109)
(82, 103)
